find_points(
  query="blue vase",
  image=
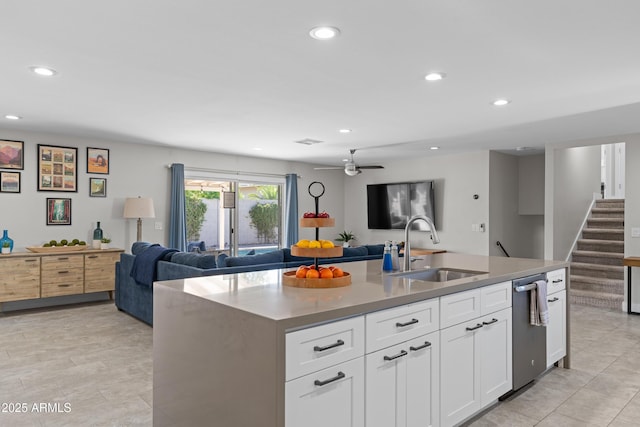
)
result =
(6, 238)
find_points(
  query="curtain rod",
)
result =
(228, 172)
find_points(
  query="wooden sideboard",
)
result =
(28, 275)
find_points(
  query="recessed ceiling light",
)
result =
(324, 33)
(434, 148)
(257, 148)
(501, 102)
(12, 117)
(345, 131)
(43, 71)
(434, 77)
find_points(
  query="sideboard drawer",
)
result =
(320, 347)
(395, 325)
(64, 262)
(72, 285)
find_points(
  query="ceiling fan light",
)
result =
(351, 170)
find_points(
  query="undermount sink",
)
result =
(439, 274)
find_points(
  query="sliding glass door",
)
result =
(236, 217)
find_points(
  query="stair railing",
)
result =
(584, 222)
(503, 249)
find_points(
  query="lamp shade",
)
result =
(139, 207)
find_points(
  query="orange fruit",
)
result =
(313, 274)
(326, 274)
(301, 272)
(337, 272)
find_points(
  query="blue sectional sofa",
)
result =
(148, 263)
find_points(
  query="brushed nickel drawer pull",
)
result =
(340, 376)
(330, 346)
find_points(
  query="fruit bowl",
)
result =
(289, 279)
(316, 252)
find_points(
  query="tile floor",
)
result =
(91, 366)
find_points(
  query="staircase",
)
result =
(597, 274)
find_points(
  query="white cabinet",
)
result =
(557, 326)
(476, 353)
(325, 375)
(402, 366)
(402, 384)
(330, 397)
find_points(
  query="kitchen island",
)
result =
(229, 350)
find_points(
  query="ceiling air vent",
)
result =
(308, 141)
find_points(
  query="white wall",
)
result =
(135, 170)
(457, 178)
(576, 177)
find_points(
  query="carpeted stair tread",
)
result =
(597, 284)
(607, 213)
(601, 245)
(599, 254)
(597, 270)
(605, 223)
(603, 233)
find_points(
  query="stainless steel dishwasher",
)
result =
(529, 342)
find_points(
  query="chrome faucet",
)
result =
(407, 244)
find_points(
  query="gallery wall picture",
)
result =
(11, 154)
(97, 187)
(97, 160)
(57, 168)
(9, 182)
(58, 211)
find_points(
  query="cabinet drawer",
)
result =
(101, 260)
(556, 281)
(395, 325)
(459, 307)
(64, 262)
(320, 347)
(495, 297)
(69, 287)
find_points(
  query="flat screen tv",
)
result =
(389, 206)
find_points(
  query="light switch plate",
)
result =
(635, 232)
(158, 225)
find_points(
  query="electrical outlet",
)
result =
(158, 225)
(635, 232)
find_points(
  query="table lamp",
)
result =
(139, 207)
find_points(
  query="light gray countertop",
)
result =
(261, 293)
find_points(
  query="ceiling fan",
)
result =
(350, 166)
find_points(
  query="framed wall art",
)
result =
(11, 154)
(57, 168)
(9, 182)
(58, 211)
(97, 160)
(97, 187)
